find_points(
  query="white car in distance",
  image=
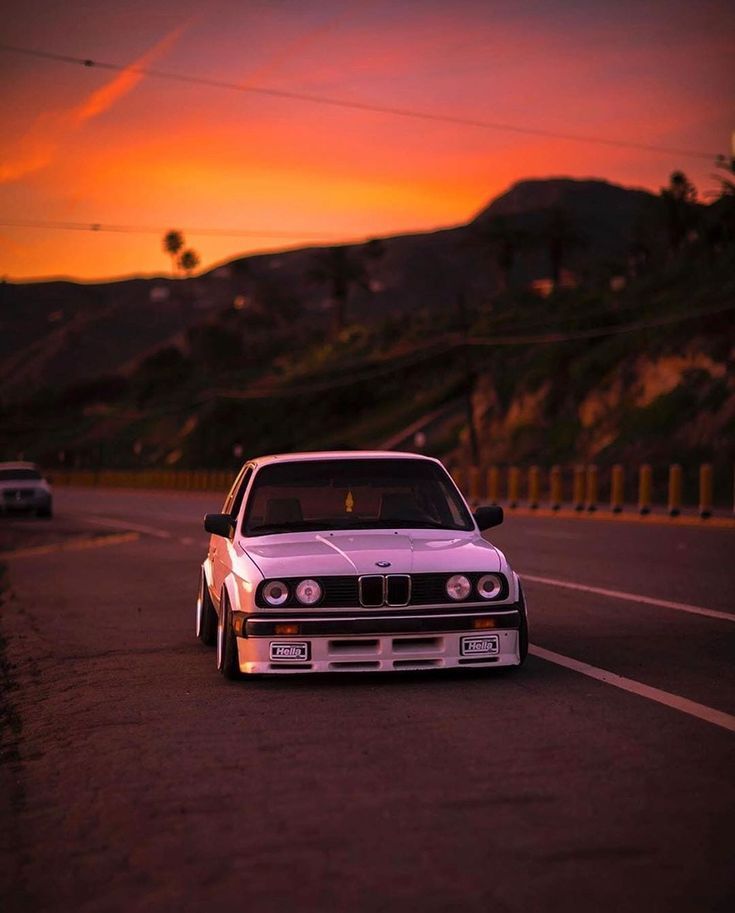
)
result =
(355, 562)
(23, 489)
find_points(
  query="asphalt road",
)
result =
(135, 778)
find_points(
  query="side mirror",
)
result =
(485, 517)
(219, 525)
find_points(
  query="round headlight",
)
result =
(458, 587)
(489, 586)
(308, 592)
(275, 592)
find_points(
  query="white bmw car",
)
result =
(355, 562)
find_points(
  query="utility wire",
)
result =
(356, 105)
(597, 332)
(420, 354)
(153, 230)
(431, 351)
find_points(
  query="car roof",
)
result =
(340, 455)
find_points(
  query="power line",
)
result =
(153, 230)
(597, 332)
(358, 106)
(422, 353)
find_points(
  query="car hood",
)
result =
(327, 554)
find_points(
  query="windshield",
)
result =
(13, 475)
(353, 494)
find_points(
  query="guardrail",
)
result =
(512, 487)
(536, 487)
(218, 480)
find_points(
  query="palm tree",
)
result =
(340, 270)
(722, 212)
(679, 200)
(173, 241)
(188, 261)
(560, 237)
(504, 241)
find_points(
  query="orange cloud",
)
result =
(38, 148)
(294, 48)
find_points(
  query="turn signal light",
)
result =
(484, 623)
(287, 629)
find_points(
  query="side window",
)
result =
(240, 494)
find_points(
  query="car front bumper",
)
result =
(378, 642)
(12, 504)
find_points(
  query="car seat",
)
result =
(400, 506)
(283, 510)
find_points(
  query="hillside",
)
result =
(638, 371)
(56, 334)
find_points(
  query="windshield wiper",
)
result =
(398, 524)
(307, 526)
(293, 527)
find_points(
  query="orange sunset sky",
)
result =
(114, 147)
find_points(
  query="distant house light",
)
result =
(544, 287)
(159, 293)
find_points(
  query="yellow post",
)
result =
(645, 481)
(675, 479)
(705, 490)
(617, 488)
(555, 491)
(474, 485)
(591, 488)
(514, 486)
(534, 487)
(493, 484)
(578, 488)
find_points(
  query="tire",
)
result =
(46, 512)
(523, 630)
(227, 661)
(206, 615)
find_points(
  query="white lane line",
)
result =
(123, 524)
(72, 545)
(682, 704)
(631, 597)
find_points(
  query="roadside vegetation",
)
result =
(624, 354)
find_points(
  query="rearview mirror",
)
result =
(485, 517)
(219, 525)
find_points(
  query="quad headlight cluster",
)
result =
(488, 586)
(307, 592)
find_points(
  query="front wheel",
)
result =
(227, 661)
(206, 615)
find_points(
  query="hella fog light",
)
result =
(275, 592)
(489, 586)
(308, 592)
(458, 587)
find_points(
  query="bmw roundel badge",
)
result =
(382, 564)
